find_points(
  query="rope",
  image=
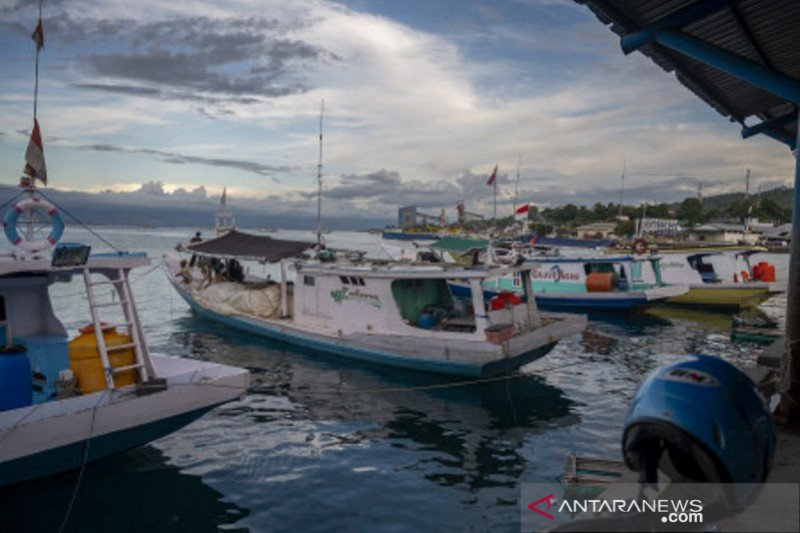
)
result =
(112, 292)
(83, 464)
(20, 193)
(79, 221)
(452, 385)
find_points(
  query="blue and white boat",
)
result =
(67, 401)
(401, 315)
(582, 284)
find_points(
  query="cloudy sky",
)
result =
(422, 98)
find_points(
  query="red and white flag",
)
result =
(493, 177)
(223, 201)
(34, 156)
(522, 213)
(38, 36)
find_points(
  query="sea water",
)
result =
(321, 444)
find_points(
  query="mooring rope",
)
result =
(83, 464)
(79, 221)
(135, 280)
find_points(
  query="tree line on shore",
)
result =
(768, 206)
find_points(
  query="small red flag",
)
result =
(493, 177)
(522, 212)
(34, 156)
(38, 36)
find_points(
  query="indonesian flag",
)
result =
(38, 36)
(521, 214)
(223, 201)
(493, 177)
(34, 156)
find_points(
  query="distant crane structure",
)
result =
(464, 216)
(436, 219)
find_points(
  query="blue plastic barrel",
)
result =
(426, 320)
(15, 378)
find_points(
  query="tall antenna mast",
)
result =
(319, 178)
(38, 37)
(622, 189)
(747, 183)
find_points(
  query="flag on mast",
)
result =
(493, 177)
(521, 214)
(34, 156)
(38, 36)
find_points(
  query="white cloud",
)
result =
(410, 102)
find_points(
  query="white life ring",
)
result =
(43, 206)
(640, 246)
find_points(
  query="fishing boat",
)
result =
(602, 283)
(401, 315)
(746, 285)
(65, 402)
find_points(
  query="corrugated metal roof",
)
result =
(763, 31)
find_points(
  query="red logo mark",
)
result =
(534, 506)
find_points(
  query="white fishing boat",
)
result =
(733, 282)
(65, 402)
(380, 312)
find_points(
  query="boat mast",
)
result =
(319, 179)
(516, 185)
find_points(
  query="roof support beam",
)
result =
(761, 127)
(781, 137)
(691, 13)
(759, 75)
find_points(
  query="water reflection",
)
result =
(720, 321)
(133, 491)
(465, 436)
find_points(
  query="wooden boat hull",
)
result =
(722, 297)
(463, 358)
(53, 437)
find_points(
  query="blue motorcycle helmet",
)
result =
(700, 420)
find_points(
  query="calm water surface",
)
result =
(324, 445)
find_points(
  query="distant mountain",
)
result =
(167, 211)
(780, 195)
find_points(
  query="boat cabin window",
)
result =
(423, 303)
(598, 268)
(308, 280)
(352, 280)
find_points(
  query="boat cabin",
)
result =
(714, 267)
(595, 274)
(404, 300)
(40, 362)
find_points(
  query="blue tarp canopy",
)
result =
(564, 241)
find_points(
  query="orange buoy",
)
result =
(600, 282)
